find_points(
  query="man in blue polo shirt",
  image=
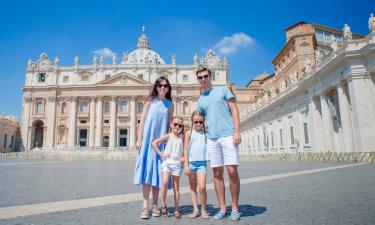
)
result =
(223, 136)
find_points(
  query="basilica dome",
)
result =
(143, 54)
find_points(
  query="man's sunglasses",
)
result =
(204, 76)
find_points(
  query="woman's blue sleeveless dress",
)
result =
(148, 165)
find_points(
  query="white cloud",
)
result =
(106, 52)
(228, 45)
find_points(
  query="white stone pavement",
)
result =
(59, 206)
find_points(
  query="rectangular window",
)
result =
(85, 78)
(106, 121)
(83, 121)
(140, 76)
(281, 137)
(185, 78)
(272, 138)
(306, 131)
(258, 141)
(139, 108)
(41, 77)
(107, 76)
(253, 142)
(65, 79)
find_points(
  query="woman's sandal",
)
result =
(195, 214)
(164, 211)
(177, 214)
(145, 214)
(205, 215)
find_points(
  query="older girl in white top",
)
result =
(172, 163)
(195, 166)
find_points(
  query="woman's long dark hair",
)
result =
(154, 92)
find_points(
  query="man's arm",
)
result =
(236, 120)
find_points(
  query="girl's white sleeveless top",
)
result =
(175, 148)
(197, 146)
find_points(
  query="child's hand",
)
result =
(187, 170)
(165, 155)
(138, 144)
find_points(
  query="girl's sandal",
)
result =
(177, 215)
(205, 215)
(155, 212)
(164, 211)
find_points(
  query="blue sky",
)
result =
(249, 33)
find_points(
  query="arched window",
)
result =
(39, 107)
(83, 107)
(123, 106)
(185, 108)
(63, 108)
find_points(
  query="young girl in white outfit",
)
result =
(172, 163)
(195, 166)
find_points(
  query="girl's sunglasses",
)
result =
(198, 122)
(177, 124)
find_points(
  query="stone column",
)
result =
(73, 122)
(112, 136)
(363, 118)
(92, 122)
(327, 123)
(133, 122)
(315, 120)
(51, 118)
(176, 105)
(345, 116)
(99, 122)
(25, 122)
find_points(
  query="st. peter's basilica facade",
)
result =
(99, 106)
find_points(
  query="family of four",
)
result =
(165, 149)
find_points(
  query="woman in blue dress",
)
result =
(157, 111)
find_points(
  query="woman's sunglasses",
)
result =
(163, 85)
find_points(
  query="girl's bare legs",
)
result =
(164, 188)
(193, 194)
(176, 192)
(202, 190)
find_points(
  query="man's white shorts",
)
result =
(174, 167)
(222, 151)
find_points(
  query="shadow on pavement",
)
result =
(245, 210)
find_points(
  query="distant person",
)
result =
(157, 111)
(223, 137)
(172, 164)
(195, 166)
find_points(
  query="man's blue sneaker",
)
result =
(220, 215)
(234, 216)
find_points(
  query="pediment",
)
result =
(123, 79)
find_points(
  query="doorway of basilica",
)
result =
(38, 134)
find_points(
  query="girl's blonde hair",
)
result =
(183, 126)
(197, 113)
